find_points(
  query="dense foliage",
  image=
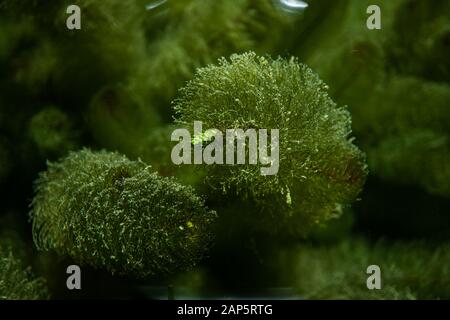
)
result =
(86, 117)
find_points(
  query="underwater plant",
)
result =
(16, 281)
(197, 36)
(357, 128)
(394, 82)
(109, 212)
(412, 270)
(320, 169)
(52, 132)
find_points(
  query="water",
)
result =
(291, 6)
(155, 4)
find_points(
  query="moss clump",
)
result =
(107, 211)
(52, 132)
(16, 281)
(408, 270)
(420, 43)
(401, 159)
(118, 120)
(319, 167)
(197, 35)
(395, 83)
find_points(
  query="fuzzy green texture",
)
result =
(27, 57)
(156, 149)
(16, 281)
(119, 120)
(99, 58)
(198, 36)
(394, 81)
(419, 44)
(408, 270)
(52, 132)
(112, 83)
(319, 168)
(107, 211)
(141, 55)
(431, 172)
(193, 36)
(410, 116)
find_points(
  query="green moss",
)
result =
(335, 230)
(16, 281)
(401, 104)
(76, 64)
(51, 130)
(35, 66)
(408, 270)
(419, 157)
(107, 211)
(393, 80)
(404, 125)
(120, 121)
(420, 43)
(198, 35)
(320, 169)
(156, 149)
(113, 82)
